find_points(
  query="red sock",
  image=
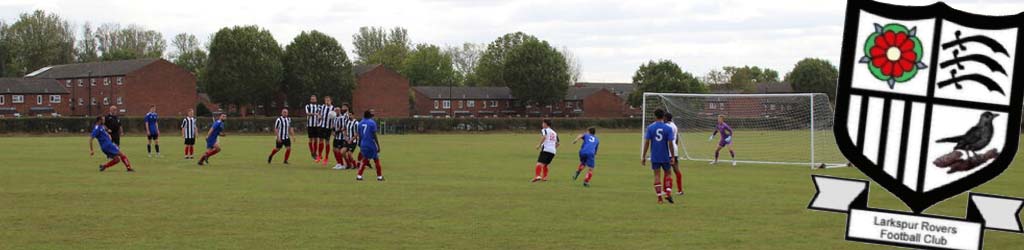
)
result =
(112, 162)
(337, 157)
(545, 171)
(679, 181)
(589, 174)
(124, 159)
(312, 149)
(362, 166)
(212, 152)
(658, 190)
(580, 168)
(191, 150)
(537, 170)
(328, 149)
(377, 163)
(186, 150)
(287, 153)
(273, 152)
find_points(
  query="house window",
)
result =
(81, 102)
(92, 82)
(106, 81)
(471, 103)
(67, 83)
(771, 107)
(3, 99)
(494, 104)
(54, 98)
(460, 104)
(17, 99)
(106, 101)
(120, 100)
(437, 104)
(92, 101)
(79, 82)
(568, 105)
(120, 80)
(39, 99)
(447, 104)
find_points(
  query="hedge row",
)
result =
(36, 125)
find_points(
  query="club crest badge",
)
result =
(928, 106)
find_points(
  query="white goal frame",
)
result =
(686, 156)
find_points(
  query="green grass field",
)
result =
(443, 191)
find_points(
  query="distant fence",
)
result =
(134, 125)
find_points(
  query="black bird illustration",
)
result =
(976, 138)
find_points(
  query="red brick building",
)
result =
(433, 101)
(21, 97)
(753, 106)
(622, 90)
(498, 102)
(382, 89)
(132, 85)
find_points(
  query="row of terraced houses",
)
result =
(88, 89)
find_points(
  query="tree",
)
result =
(3, 48)
(244, 66)
(489, 69)
(744, 79)
(574, 65)
(189, 55)
(37, 40)
(465, 59)
(536, 73)
(429, 66)
(315, 63)
(87, 50)
(812, 75)
(663, 76)
(132, 42)
(374, 45)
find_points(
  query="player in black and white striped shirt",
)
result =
(351, 136)
(283, 132)
(188, 131)
(324, 122)
(312, 109)
(339, 129)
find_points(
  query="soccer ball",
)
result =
(331, 115)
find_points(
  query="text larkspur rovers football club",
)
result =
(915, 237)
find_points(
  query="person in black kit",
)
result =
(113, 124)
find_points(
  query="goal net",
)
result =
(768, 128)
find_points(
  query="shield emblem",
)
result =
(928, 101)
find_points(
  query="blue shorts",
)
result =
(661, 165)
(587, 160)
(368, 152)
(111, 152)
(211, 143)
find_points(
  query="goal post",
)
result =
(789, 129)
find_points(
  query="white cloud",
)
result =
(611, 38)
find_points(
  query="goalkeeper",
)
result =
(725, 139)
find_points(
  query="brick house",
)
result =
(622, 90)
(436, 101)
(382, 89)
(33, 97)
(431, 101)
(751, 106)
(132, 85)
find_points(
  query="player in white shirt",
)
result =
(675, 165)
(548, 147)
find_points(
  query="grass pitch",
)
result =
(443, 191)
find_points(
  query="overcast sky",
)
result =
(611, 38)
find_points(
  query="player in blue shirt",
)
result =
(369, 146)
(99, 133)
(152, 132)
(658, 138)
(212, 144)
(587, 153)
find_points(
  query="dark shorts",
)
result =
(283, 143)
(369, 153)
(312, 132)
(723, 142)
(339, 144)
(545, 157)
(587, 160)
(351, 147)
(115, 139)
(152, 136)
(190, 141)
(661, 165)
(325, 133)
